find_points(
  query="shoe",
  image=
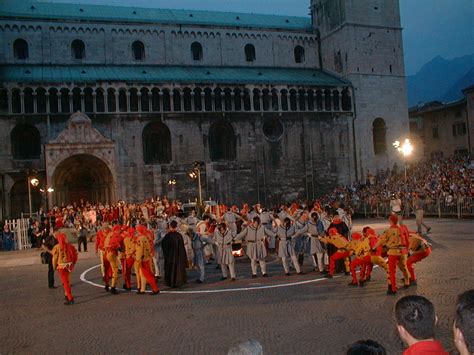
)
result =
(391, 293)
(352, 284)
(140, 293)
(361, 283)
(69, 303)
(107, 288)
(154, 293)
(199, 281)
(405, 287)
(428, 230)
(325, 272)
(124, 286)
(367, 278)
(300, 273)
(218, 267)
(328, 276)
(223, 278)
(232, 279)
(53, 287)
(287, 274)
(113, 291)
(347, 273)
(254, 276)
(265, 275)
(413, 283)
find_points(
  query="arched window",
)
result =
(16, 101)
(25, 142)
(293, 102)
(250, 53)
(266, 99)
(53, 100)
(65, 108)
(88, 100)
(176, 100)
(284, 100)
(123, 106)
(319, 100)
(227, 99)
(20, 49)
(247, 102)
(335, 100)
(299, 54)
(238, 100)
(274, 100)
(155, 100)
(222, 142)
(302, 100)
(256, 100)
(346, 100)
(327, 100)
(111, 100)
(208, 99)
(145, 101)
(28, 100)
(40, 100)
(379, 131)
(166, 100)
(156, 143)
(197, 99)
(310, 100)
(76, 100)
(218, 99)
(138, 50)
(196, 51)
(187, 99)
(3, 100)
(99, 100)
(133, 99)
(78, 49)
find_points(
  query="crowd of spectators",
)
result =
(448, 180)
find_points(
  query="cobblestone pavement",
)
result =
(320, 317)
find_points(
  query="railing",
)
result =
(456, 208)
(19, 227)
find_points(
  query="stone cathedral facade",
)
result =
(105, 103)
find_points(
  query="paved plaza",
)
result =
(288, 315)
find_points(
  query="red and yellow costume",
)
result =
(359, 247)
(64, 260)
(341, 243)
(128, 257)
(144, 257)
(111, 245)
(396, 239)
(374, 257)
(420, 249)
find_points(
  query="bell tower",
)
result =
(361, 40)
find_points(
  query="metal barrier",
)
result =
(20, 229)
(441, 208)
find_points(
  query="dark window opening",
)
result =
(379, 131)
(284, 100)
(197, 99)
(88, 100)
(208, 99)
(256, 100)
(166, 100)
(76, 100)
(145, 100)
(41, 100)
(272, 129)
(53, 101)
(123, 101)
(156, 143)
(299, 54)
(28, 100)
(222, 142)
(111, 100)
(138, 50)
(20, 49)
(250, 53)
(187, 99)
(133, 100)
(78, 49)
(99, 100)
(176, 101)
(155, 100)
(25, 142)
(218, 99)
(293, 102)
(196, 51)
(65, 101)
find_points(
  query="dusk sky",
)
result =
(431, 27)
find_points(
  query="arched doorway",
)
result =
(83, 177)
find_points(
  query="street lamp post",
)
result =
(196, 174)
(405, 148)
(33, 182)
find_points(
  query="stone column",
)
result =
(116, 93)
(139, 98)
(9, 99)
(60, 108)
(252, 108)
(213, 102)
(192, 101)
(106, 101)
(35, 102)
(83, 106)
(181, 100)
(47, 102)
(70, 101)
(323, 100)
(94, 101)
(22, 101)
(171, 100)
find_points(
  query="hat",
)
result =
(332, 231)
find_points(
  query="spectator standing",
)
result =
(82, 238)
(48, 244)
(420, 205)
(8, 238)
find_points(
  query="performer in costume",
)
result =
(64, 260)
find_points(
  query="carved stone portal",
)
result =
(80, 164)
